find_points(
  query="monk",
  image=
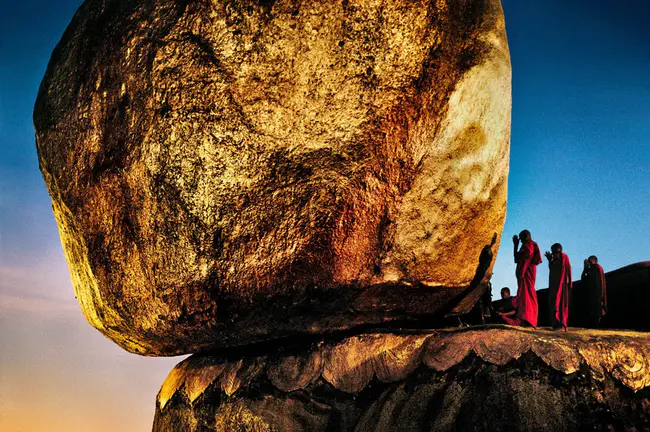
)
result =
(559, 286)
(593, 279)
(527, 259)
(507, 312)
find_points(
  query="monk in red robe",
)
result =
(559, 286)
(593, 278)
(527, 259)
(507, 312)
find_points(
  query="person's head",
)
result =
(593, 259)
(556, 249)
(505, 292)
(524, 236)
(494, 239)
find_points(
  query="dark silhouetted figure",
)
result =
(559, 286)
(484, 262)
(527, 259)
(593, 279)
(486, 302)
(479, 291)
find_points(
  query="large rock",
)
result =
(493, 379)
(226, 172)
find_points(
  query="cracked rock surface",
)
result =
(228, 172)
(497, 378)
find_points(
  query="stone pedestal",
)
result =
(494, 378)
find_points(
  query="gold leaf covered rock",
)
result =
(228, 172)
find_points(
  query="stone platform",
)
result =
(492, 378)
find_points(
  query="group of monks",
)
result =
(523, 309)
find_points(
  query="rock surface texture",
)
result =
(497, 378)
(227, 172)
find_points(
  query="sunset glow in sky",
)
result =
(580, 175)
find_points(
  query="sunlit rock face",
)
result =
(229, 172)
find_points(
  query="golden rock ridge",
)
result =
(349, 365)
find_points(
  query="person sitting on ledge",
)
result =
(508, 310)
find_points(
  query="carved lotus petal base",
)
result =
(491, 378)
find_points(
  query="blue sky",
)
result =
(580, 175)
(57, 373)
(580, 143)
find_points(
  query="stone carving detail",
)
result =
(351, 364)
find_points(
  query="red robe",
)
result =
(559, 285)
(527, 258)
(511, 320)
(594, 279)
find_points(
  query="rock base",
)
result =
(494, 378)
